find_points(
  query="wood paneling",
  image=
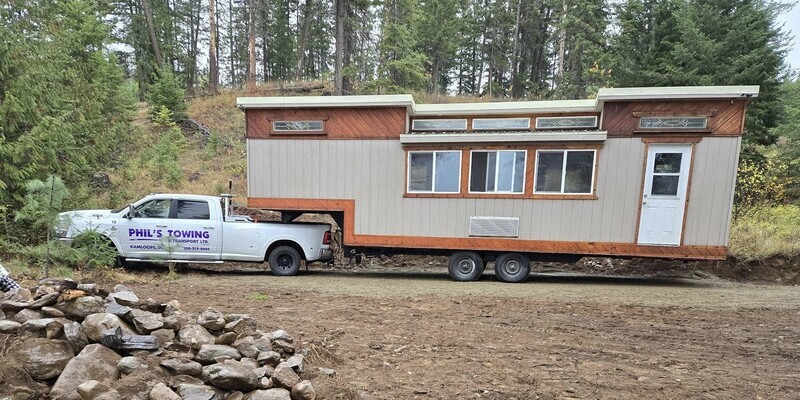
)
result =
(339, 123)
(481, 244)
(725, 116)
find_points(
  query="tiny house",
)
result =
(635, 172)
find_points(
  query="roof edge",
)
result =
(677, 93)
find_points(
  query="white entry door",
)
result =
(664, 194)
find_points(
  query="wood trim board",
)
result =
(481, 244)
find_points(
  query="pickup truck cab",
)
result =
(199, 229)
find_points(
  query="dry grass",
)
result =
(766, 232)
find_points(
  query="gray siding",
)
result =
(372, 172)
(711, 197)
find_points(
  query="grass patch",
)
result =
(766, 232)
(260, 297)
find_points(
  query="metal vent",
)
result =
(494, 226)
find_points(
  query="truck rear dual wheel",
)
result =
(512, 267)
(465, 266)
(284, 261)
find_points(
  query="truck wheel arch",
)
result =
(272, 246)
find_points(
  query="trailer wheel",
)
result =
(465, 266)
(512, 267)
(284, 261)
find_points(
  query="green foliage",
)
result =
(260, 297)
(766, 232)
(162, 157)
(402, 66)
(705, 42)
(41, 204)
(760, 184)
(93, 249)
(166, 93)
(212, 147)
(789, 133)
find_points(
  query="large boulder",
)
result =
(16, 383)
(189, 391)
(182, 366)
(246, 347)
(96, 324)
(232, 375)
(211, 319)
(269, 394)
(95, 362)
(194, 336)
(9, 327)
(27, 315)
(208, 353)
(304, 391)
(46, 300)
(51, 328)
(80, 307)
(163, 392)
(43, 358)
(125, 298)
(73, 334)
(146, 322)
(285, 377)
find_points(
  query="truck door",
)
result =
(195, 231)
(145, 235)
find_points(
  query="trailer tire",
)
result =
(465, 266)
(512, 267)
(284, 261)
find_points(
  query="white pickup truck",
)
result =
(199, 229)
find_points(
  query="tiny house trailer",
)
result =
(635, 172)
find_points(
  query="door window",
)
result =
(153, 209)
(188, 209)
(666, 174)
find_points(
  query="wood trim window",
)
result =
(673, 123)
(439, 125)
(433, 172)
(501, 124)
(298, 127)
(570, 122)
(565, 174)
(497, 171)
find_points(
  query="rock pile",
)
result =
(80, 342)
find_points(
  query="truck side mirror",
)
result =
(131, 210)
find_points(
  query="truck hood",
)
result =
(86, 215)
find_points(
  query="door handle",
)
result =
(208, 227)
(644, 202)
(161, 226)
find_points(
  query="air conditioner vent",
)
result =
(494, 226)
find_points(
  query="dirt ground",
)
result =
(399, 333)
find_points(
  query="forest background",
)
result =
(96, 88)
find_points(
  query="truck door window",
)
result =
(188, 209)
(154, 209)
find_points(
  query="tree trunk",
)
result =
(213, 64)
(148, 16)
(251, 47)
(562, 42)
(515, 53)
(301, 51)
(231, 45)
(341, 9)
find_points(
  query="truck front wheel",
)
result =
(284, 261)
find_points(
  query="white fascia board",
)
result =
(563, 136)
(502, 108)
(677, 92)
(393, 100)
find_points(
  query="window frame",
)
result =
(672, 128)
(593, 126)
(319, 131)
(177, 209)
(591, 195)
(464, 128)
(433, 172)
(497, 172)
(527, 126)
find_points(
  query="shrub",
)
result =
(766, 232)
(166, 92)
(760, 184)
